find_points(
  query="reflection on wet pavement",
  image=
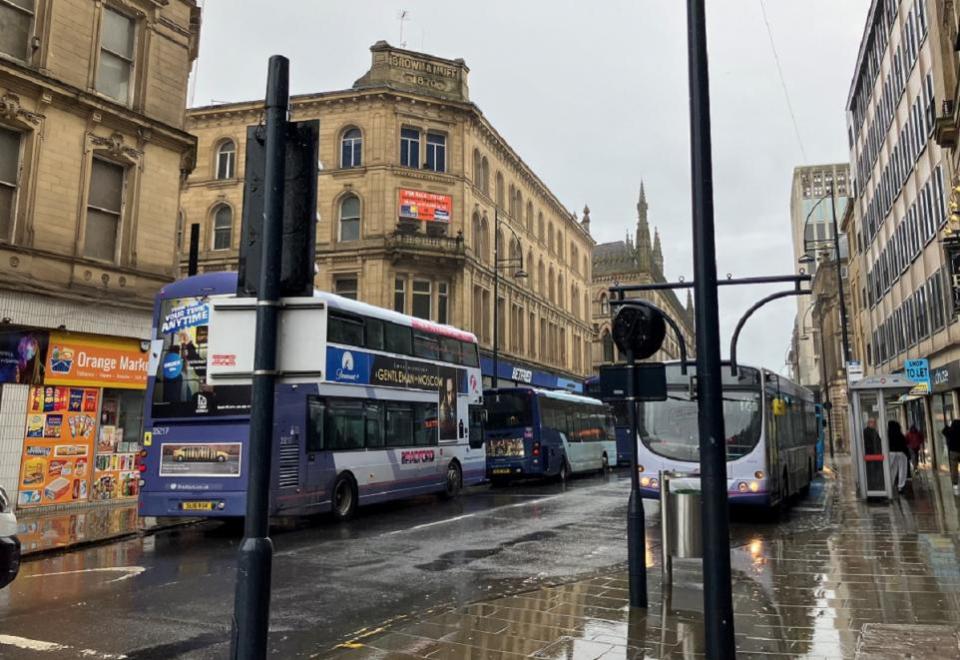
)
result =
(838, 579)
(43, 531)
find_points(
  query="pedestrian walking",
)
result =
(952, 434)
(899, 454)
(915, 446)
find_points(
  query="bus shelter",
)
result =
(875, 401)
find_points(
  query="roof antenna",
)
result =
(403, 17)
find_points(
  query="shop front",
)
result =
(512, 374)
(944, 380)
(84, 423)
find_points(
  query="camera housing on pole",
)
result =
(638, 330)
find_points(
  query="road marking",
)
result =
(41, 646)
(128, 572)
(471, 515)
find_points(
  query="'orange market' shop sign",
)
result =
(75, 359)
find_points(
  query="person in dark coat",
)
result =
(952, 434)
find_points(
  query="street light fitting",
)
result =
(806, 259)
(520, 274)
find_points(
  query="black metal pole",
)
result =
(192, 262)
(636, 532)
(251, 616)
(843, 303)
(496, 300)
(717, 598)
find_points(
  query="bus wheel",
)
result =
(344, 498)
(564, 474)
(454, 481)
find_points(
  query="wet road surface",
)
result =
(171, 594)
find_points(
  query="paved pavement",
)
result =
(533, 569)
(875, 581)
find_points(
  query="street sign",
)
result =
(649, 382)
(854, 371)
(919, 372)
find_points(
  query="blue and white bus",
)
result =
(621, 421)
(398, 412)
(771, 428)
(544, 433)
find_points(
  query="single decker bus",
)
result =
(543, 433)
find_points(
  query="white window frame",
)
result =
(119, 213)
(340, 219)
(131, 59)
(213, 227)
(231, 160)
(15, 184)
(414, 294)
(28, 46)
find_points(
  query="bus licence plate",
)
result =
(196, 506)
(501, 470)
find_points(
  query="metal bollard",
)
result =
(681, 526)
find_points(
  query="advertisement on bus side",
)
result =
(200, 459)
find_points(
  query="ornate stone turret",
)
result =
(586, 218)
(657, 251)
(644, 253)
(689, 305)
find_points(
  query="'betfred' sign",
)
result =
(425, 206)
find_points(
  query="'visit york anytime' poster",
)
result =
(58, 445)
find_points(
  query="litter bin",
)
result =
(681, 522)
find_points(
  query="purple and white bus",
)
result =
(771, 428)
(397, 410)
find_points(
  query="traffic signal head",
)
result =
(639, 328)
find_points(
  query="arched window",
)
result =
(226, 160)
(586, 306)
(530, 218)
(574, 256)
(604, 305)
(529, 264)
(477, 169)
(574, 301)
(479, 244)
(512, 197)
(560, 288)
(607, 342)
(222, 227)
(181, 223)
(485, 177)
(500, 191)
(541, 279)
(550, 238)
(540, 227)
(518, 210)
(552, 288)
(515, 254)
(351, 148)
(484, 239)
(349, 218)
(586, 267)
(499, 246)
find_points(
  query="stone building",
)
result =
(901, 176)
(92, 154)
(635, 260)
(414, 183)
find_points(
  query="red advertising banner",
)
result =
(425, 206)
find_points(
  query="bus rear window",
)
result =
(509, 410)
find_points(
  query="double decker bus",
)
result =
(543, 433)
(396, 412)
(771, 428)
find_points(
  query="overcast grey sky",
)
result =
(594, 97)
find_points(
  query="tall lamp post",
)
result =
(499, 263)
(808, 259)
